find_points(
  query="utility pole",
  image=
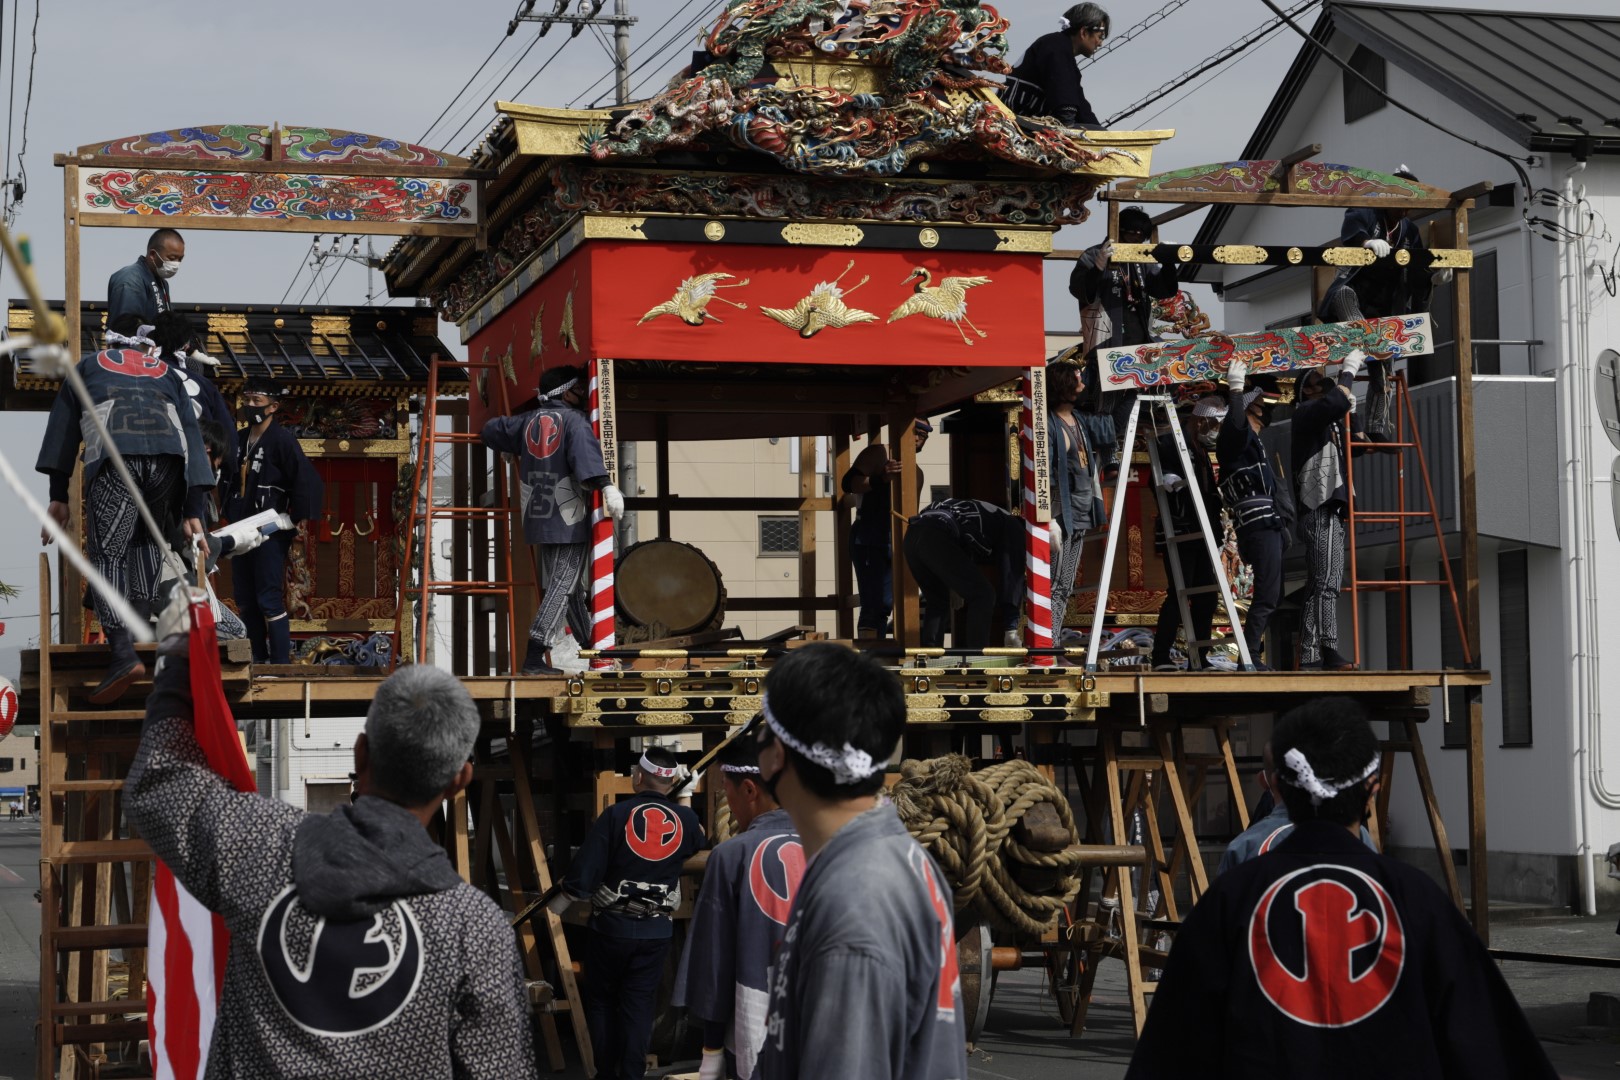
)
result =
(589, 13)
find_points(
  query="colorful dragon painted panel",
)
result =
(1267, 352)
(1257, 177)
(335, 146)
(248, 142)
(278, 195)
(231, 142)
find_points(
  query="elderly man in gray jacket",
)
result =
(356, 950)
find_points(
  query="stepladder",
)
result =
(1200, 530)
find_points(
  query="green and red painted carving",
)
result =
(181, 194)
(1256, 178)
(1267, 352)
(250, 142)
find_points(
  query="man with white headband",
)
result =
(630, 868)
(742, 909)
(865, 983)
(559, 463)
(1047, 80)
(1325, 959)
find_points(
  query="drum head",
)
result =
(668, 583)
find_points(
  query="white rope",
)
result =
(70, 550)
(1321, 790)
(848, 766)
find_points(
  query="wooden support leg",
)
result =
(1223, 742)
(1195, 859)
(1442, 847)
(1135, 984)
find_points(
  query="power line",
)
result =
(1516, 162)
(21, 187)
(507, 74)
(457, 96)
(1214, 60)
(1146, 24)
(519, 91)
(674, 39)
(645, 42)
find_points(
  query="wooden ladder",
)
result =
(1117, 781)
(1406, 441)
(492, 518)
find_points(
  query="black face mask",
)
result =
(255, 414)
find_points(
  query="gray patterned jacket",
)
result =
(356, 951)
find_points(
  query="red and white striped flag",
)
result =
(186, 943)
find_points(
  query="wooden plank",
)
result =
(85, 938)
(1218, 198)
(807, 527)
(843, 568)
(101, 219)
(665, 489)
(1468, 523)
(907, 615)
(778, 504)
(72, 614)
(283, 165)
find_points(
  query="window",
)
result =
(1360, 99)
(1455, 734)
(778, 535)
(5, 764)
(1486, 321)
(1513, 665)
(1397, 624)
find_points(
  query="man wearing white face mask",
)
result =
(142, 287)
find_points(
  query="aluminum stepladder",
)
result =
(1167, 408)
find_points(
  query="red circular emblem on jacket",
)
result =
(1327, 946)
(136, 365)
(9, 707)
(774, 872)
(653, 832)
(543, 436)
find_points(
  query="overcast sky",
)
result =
(106, 69)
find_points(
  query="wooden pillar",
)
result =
(843, 577)
(1468, 524)
(665, 488)
(907, 624)
(807, 530)
(72, 631)
(460, 548)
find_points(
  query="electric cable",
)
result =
(21, 187)
(1214, 60)
(1517, 163)
(1146, 24)
(674, 40)
(11, 102)
(645, 42)
(519, 91)
(457, 96)
(478, 109)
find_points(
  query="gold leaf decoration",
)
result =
(947, 301)
(692, 297)
(824, 307)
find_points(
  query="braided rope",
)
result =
(966, 819)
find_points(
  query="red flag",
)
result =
(186, 943)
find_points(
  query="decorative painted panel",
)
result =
(1255, 178)
(290, 195)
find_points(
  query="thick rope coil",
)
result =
(966, 820)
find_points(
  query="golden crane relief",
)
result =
(947, 300)
(691, 301)
(507, 367)
(537, 337)
(566, 329)
(824, 307)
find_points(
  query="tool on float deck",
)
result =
(1166, 406)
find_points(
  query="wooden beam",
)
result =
(1179, 212)
(664, 503)
(300, 168)
(666, 491)
(907, 620)
(1285, 167)
(843, 577)
(72, 582)
(807, 528)
(1468, 524)
(1218, 198)
(101, 219)
(1472, 191)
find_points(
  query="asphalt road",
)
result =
(1024, 1038)
(19, 946)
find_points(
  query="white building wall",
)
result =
(1559, 797)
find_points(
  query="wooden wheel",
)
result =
(978, 979)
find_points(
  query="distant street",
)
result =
(19, 946)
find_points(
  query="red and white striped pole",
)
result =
(1037, 488)
(604, 425)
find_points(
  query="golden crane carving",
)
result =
(691, 301)
(824, 307)
(947, 300)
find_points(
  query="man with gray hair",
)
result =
(355, 948)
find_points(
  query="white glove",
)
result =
(1237, 375)
(1352, 397)
(561, 902)
(1172, 482)
(1104, 255)
(714, 1065)
(1378, 247)
(1056, 532)
(1353, 362)
(613, 502)
(1442, 276)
